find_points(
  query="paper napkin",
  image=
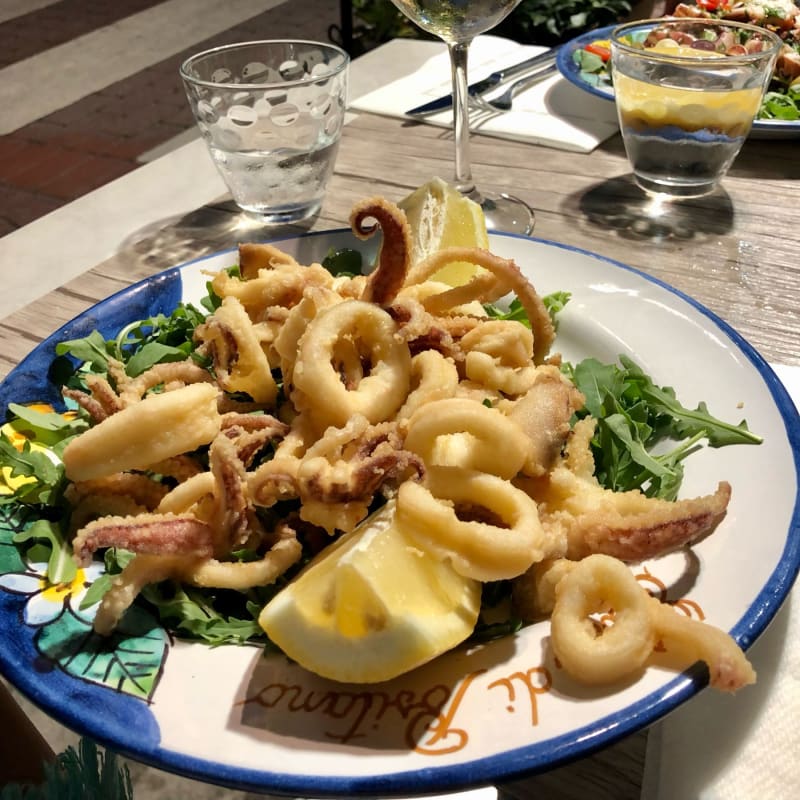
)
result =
(719, 747)
(553, 112)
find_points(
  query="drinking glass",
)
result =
(271, 113)
(457, 23)
(687, 91)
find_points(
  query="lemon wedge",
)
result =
(440, 216)
(372, 606)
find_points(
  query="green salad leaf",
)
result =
(61, 566)
(634, 415)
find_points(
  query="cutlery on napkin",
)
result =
(552, 112)
(534, 65)
(718, 747)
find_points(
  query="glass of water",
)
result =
(271, 114)
(687, 91)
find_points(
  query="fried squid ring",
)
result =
(380, 393)
(187, 494)
(534, 593)
(433, 377)
(484, 551)
(240, 364)
(314, 300)
(499, 354)
(385, 281)
(505, 276)
(588, 652)
(457, 432)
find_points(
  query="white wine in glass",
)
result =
(458, 22)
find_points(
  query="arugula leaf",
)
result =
(515, 312)
(343, 262)
(554, 303)
(688, 422)
(45, 427)
(634, 415)
(92, 349)
(61, 566)
(155, 353)
(194, 612)
(158, 339)
(47, 477)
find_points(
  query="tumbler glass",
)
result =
(271, 114)
(687, 91)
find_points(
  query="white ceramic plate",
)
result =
(762, 128)
(232, 716)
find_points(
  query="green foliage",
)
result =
(552, 22)
(83, 774)
(546, 22)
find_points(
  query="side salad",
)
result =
(782, 99)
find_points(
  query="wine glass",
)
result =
(457, 23)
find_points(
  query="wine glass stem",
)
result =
(458, 66)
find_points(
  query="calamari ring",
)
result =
(499, 354)
(240, 363)
(380, 393)
(597, 584)
(297, 321)
(435, 378)
(479, 438)
(478, 550)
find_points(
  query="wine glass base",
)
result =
(504, 212)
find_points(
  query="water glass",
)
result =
(687, 91)
(271, 114)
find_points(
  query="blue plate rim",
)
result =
(510, 764)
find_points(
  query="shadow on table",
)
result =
(209, 229)
(782, 164)
(620, 205)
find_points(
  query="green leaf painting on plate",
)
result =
(130, 661)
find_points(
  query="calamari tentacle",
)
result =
(388, 277)
(505, 276)
(627, 525)
(180, 373)
(138, 573)
(162, 534)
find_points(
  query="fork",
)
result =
(504, 101)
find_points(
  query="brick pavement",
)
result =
(72, 151)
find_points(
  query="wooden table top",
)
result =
(735, 252)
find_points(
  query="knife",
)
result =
(495, 79)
